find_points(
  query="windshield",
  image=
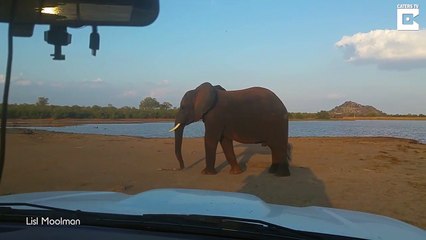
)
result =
(299, 103)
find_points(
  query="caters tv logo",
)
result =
(405, 17)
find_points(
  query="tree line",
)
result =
(305, 115)
(148, 108)
(32, 111)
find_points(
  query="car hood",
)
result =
(227, 204)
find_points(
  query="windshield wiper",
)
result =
(4, 206)
(246, 228)
(194, 224)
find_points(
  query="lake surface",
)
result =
(391, 128)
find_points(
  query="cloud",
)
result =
(388, 49)
(57, 85)
(95, 83)
(97, 80)
(335, 96)
(160, 89)
(128, 94)
(164, 82)
(159, 92)
(19, 81)
(23, 82)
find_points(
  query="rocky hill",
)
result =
(350, 109)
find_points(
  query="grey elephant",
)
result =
(253, 115)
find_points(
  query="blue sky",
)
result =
(295, 48)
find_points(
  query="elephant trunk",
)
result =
(178, 145)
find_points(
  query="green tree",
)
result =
(42, 101)
(323, 115)
(149, 103)
(166, 106)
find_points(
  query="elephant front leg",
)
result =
(210, 146)
(228, 149)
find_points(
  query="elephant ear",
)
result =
(218, 87)
(205, 99)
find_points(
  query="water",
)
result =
(395, 128)
(148, 130)
(387, 128)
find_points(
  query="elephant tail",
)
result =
(289, 152)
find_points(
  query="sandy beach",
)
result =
(378, 175)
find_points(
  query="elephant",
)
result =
(252, 116)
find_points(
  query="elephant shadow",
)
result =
(302, 188)
(246, 155)
(243, 158)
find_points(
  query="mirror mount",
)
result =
(57, 36)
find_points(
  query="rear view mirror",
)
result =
(80, 12)
(22, 15)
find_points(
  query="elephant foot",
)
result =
(208, 171)
(273, 168)
(235, 170)
(282, 172)
(279, 170)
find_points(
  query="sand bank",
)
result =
(378, 175)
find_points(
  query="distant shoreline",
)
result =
(380, 118)
(69, 122)
(363, 118)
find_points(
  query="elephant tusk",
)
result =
(173, 129)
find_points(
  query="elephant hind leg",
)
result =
(273, 168)
(228, 149)
(280, 166)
